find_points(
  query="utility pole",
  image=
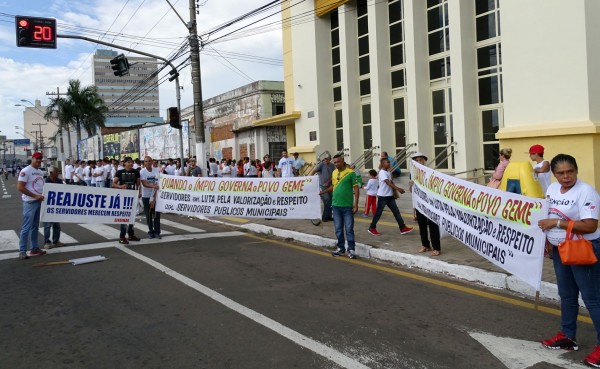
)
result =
(40, 137)
(197, 87)
(60, 127)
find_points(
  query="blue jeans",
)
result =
(55, 227)
(326, 198)
(152, 217)
(344, 218)
(390, 201)
(31, 223)
(572, 279)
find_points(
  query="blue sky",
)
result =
(27, 73)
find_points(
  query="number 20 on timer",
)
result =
(36, 32)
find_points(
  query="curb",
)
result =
(496, 280)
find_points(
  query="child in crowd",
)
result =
(371, 188)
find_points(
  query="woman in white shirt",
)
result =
(572, 200)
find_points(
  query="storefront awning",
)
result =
(279, 120)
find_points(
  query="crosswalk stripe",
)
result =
(9, 240)
(64, 238)
(102, 230)
(183, 227)
(143, 227)
(103, 245)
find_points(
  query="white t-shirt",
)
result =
(543, 178)
(34, 181)
(268, 173)
(287, 167)
(580, 202)
(68, 171)
(151, 177)
(99, 172)
(372, 187)
(135, 165)
(86, 173)
(384, 189)
(107, 172)
(78, 174)
(213, 168)
(226, 171)
(170, 169)
(251, 170)
(233, 170)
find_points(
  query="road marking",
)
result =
(102, 230)
(235, 219)
(300, 339)
(441, 283)
(6, 196)
(64, 238)
(143, 227)
(9, 240)
(104, 245)
(183, 227)
(521, 354)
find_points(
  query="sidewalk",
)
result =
(456, 260)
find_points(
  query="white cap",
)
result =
(417, 155)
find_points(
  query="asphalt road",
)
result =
(215, 298)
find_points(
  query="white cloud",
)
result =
(20, 78)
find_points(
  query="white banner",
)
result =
(82, 204)
(290, 198)
(498, 225)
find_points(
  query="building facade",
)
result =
(126, 109)
(230, 122)
(455, 79)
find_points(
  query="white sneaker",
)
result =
(351, 254)
(48, 245)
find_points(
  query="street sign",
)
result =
(22, 142)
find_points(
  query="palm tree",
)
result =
(82, 108)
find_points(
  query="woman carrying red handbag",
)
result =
(572, 200)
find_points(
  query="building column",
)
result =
(465, 102)
(381, 86)
(351, 107)
(419, 125)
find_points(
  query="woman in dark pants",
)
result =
(426, 223)
(572, 200)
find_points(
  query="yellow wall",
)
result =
(585, 148)
(323, 7)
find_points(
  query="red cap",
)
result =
(536, 149)
(37, 155)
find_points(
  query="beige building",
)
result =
(455, 79)
(113, 89)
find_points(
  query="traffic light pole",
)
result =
(178, 95)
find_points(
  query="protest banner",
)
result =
(130, 145)
(290, 198)
(75, 204)
(498, 225)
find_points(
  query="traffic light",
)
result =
(35, 32)
(120, 65)
(174, 119)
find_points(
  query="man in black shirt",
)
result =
(128, 179)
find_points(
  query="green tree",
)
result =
(82, 108)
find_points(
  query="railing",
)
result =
(441, 155)
(402, 156)
(475, 176)
(363, 159)
(306, 169)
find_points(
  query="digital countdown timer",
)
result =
(35, 32)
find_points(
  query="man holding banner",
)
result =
(149, 178)
(127, 179)
(31, 185)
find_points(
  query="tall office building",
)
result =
(132, 111)
(457, 79)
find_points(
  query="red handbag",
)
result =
(577, 251)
